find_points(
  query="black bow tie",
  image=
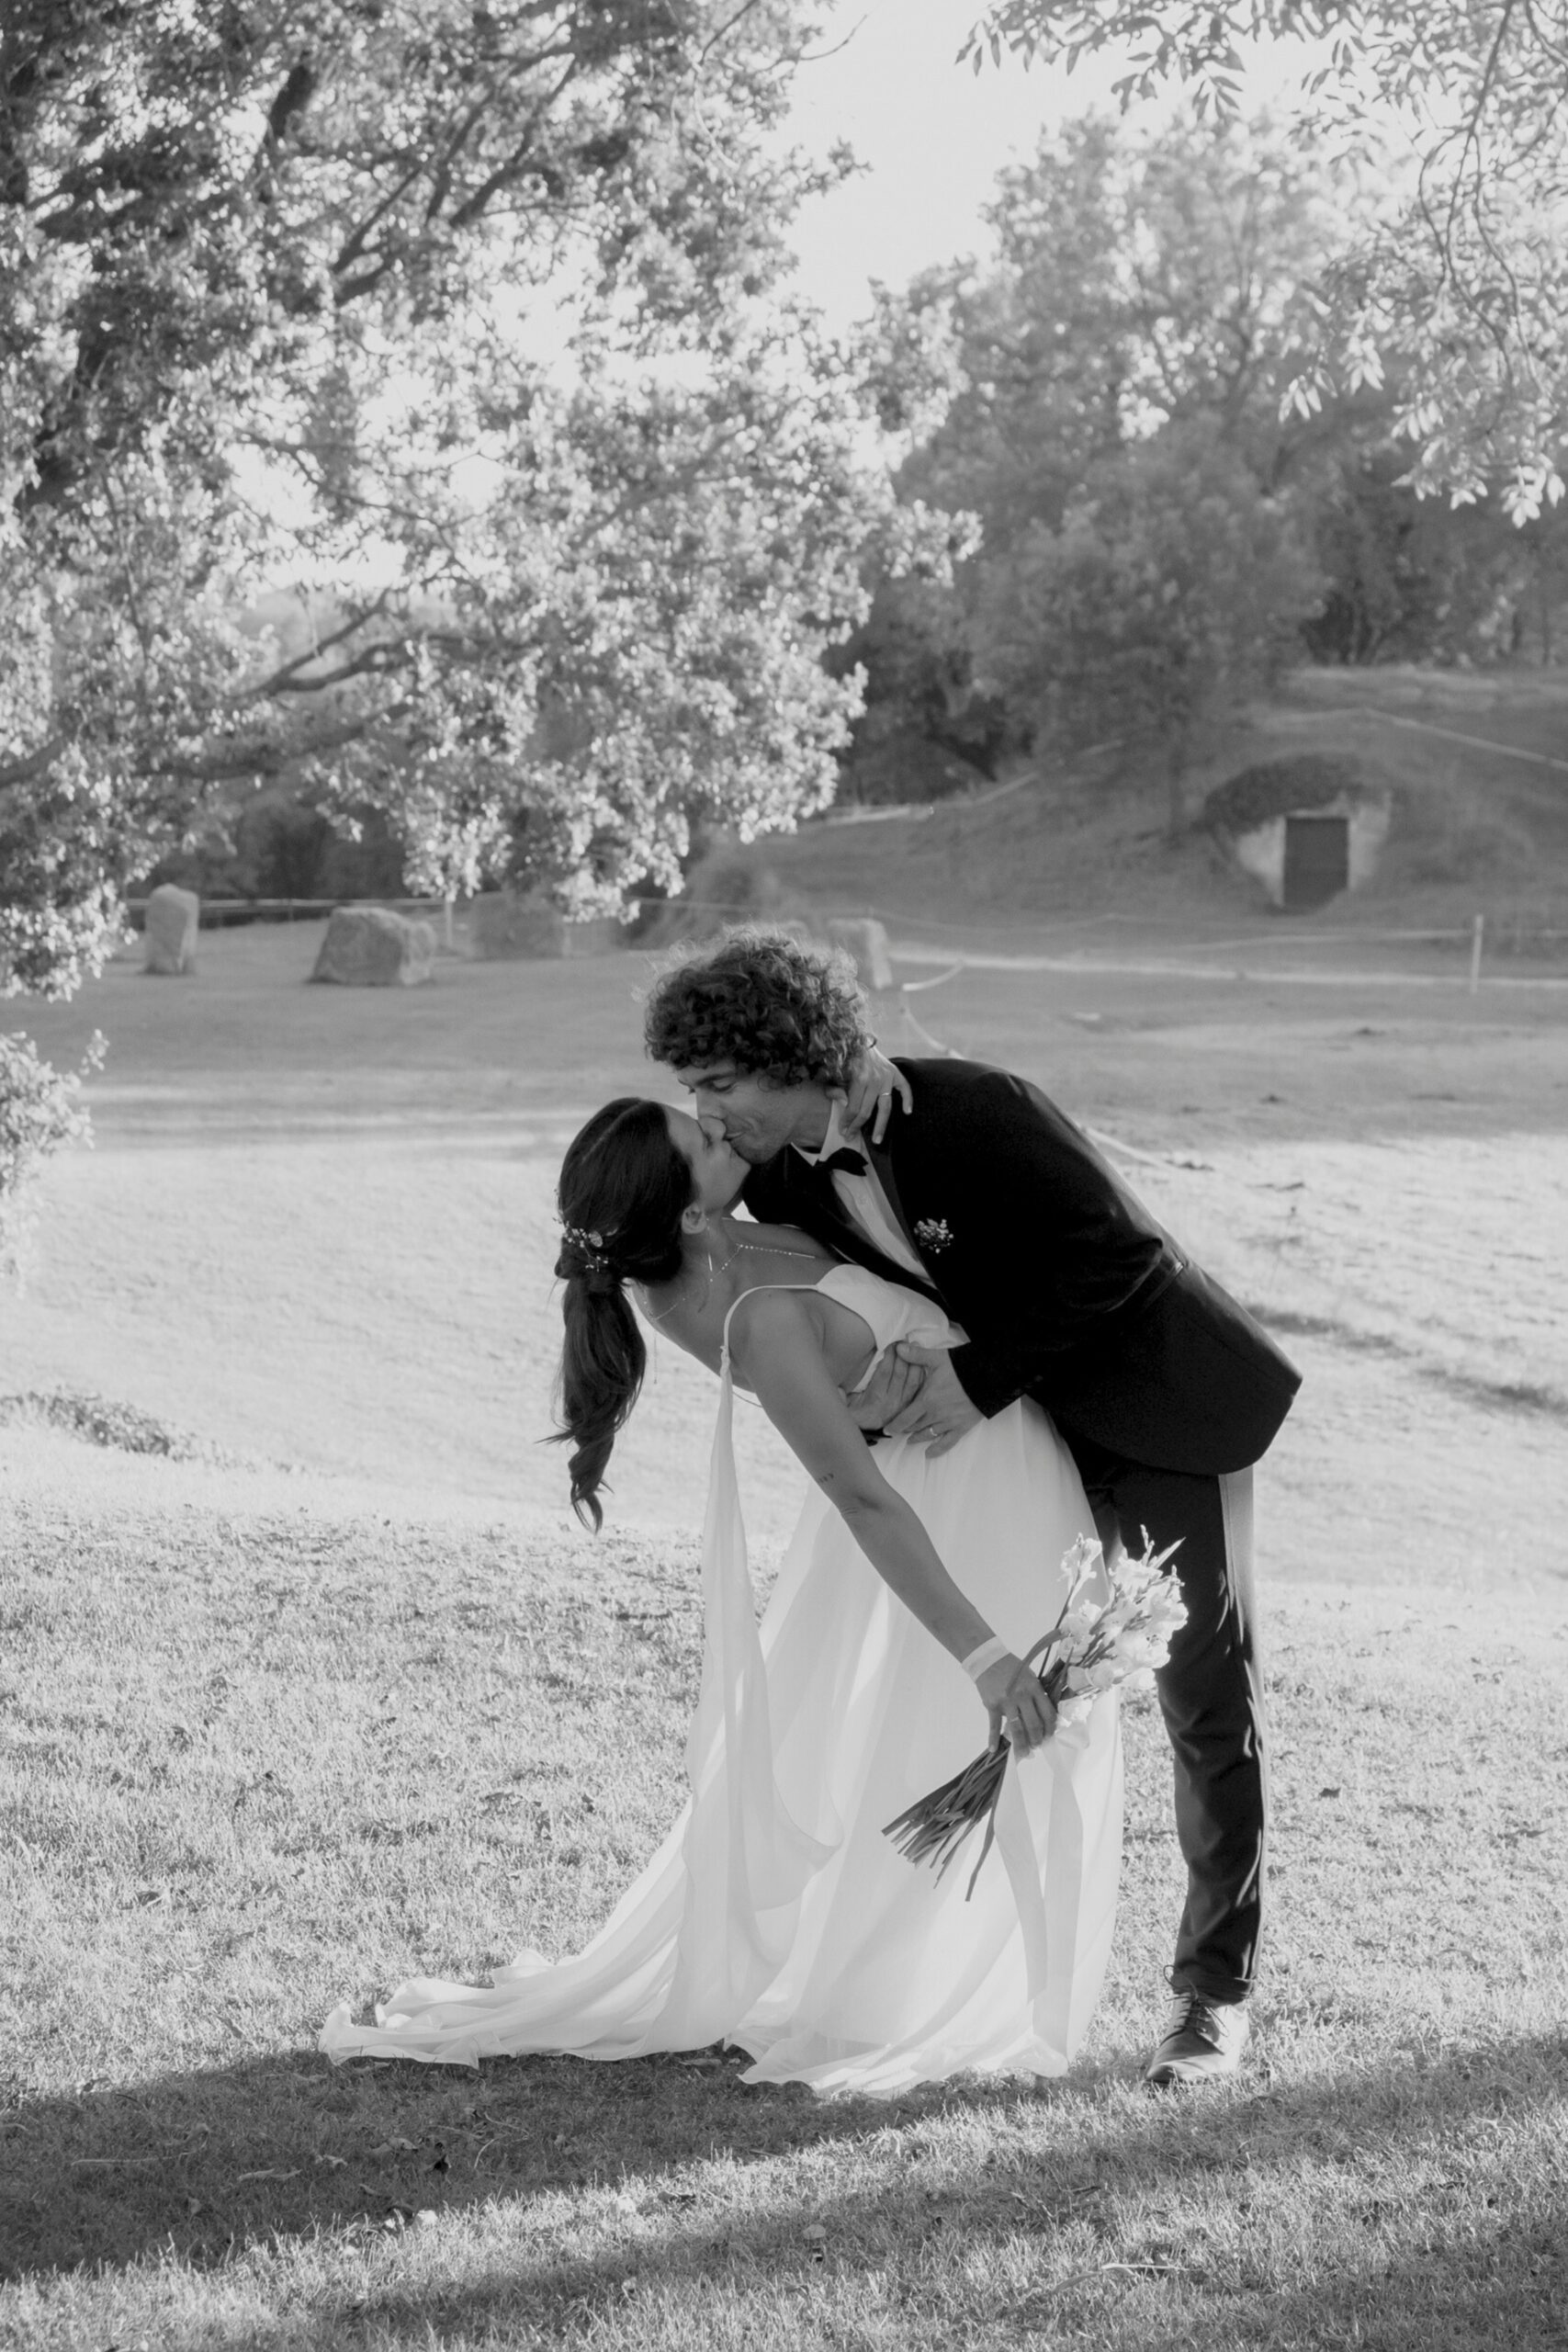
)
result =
(844, 1161)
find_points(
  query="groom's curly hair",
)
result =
(762, 1001)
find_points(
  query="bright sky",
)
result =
(933, 134)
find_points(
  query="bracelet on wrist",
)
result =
(981, 1660)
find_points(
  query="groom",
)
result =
(986, 1197)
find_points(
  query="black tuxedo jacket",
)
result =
(1067, 1289)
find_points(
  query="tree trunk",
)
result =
(1175, 785)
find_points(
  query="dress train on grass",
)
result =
(777, 1915)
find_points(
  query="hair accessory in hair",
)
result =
(590, 1248)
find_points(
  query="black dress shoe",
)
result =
(1201, 2038)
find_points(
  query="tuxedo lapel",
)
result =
(882, 1160)
(809, 1198)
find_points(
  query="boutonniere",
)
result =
(932, 1233)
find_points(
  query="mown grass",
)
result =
(258, 1761)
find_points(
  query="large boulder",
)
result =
(172, 919)
(865, 941)
(372, 947)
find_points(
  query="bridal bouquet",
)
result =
(1092, 1647)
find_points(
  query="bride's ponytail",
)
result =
(603, 1363)
(623, 1186)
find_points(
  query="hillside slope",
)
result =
(1476, 831)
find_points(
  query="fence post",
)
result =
(1477, 933)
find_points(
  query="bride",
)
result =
(777, 1915)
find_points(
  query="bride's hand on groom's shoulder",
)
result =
(873, 1086)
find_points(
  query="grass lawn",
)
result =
(341, 1695)
(258, 1761)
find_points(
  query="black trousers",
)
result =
(1210, 1692)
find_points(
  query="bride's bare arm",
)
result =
(777, 1351)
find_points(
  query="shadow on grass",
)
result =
(201, 2166)
(207, 2162)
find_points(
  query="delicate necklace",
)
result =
(758, 1249)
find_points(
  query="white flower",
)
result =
(1119, 1614)
(1081, 1558)
(1080, 1623)
(1140, 1651)
(933, 1233)
(1132, 1584)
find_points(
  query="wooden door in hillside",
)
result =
(1317, 861)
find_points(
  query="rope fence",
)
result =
(1470, 938)
(1506, 936)
(217, 913)
(1448, 734)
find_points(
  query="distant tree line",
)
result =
(1162, 520)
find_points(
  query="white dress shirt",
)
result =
(864, 1200)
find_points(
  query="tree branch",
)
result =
(354, 246)
(292, 100)
(31, 765)
(286, 670)
(1471, 144)
(473, 206)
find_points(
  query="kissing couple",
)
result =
(982, 1349)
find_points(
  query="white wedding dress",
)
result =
(777, 1915)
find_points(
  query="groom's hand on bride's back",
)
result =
(893, 1387)
(942, 1409)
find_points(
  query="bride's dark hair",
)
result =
(623, 1183)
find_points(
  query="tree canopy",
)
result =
(1455, 287)
(1111, 404)
(1170, 586)
(468, 326)
(1138, 280)
(1114, 422)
